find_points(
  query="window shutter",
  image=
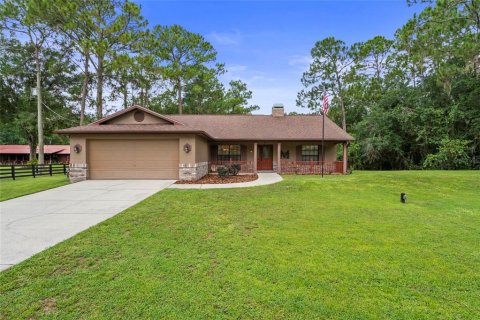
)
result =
(299, 153)
(243, 153)
(320, 152)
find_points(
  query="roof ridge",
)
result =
(246, 115)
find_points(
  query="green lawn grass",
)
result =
(305, 248)
(10, 189)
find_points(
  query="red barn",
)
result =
(19, 154)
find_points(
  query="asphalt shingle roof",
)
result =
(227, 127)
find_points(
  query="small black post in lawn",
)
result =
(403, 197)
(13, 172)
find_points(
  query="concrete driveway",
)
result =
(32, 223)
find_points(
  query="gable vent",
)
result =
(139, 116)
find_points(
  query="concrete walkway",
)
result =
(264, 178)
(32, 223)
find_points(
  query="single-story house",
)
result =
(138, 143)
(20, 153)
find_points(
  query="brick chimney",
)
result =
(277, 110)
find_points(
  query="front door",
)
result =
(265, 157)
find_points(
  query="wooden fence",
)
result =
(17, 171)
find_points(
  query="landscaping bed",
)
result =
(216, 179)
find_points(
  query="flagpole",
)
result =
(323, 138)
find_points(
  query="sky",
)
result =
(267, 43)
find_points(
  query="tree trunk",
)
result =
(41, 158)
(83, 100)
(179, 89)
(146, 98)
(342, 106)
(33, 148)
(125, 95)
(100, 88)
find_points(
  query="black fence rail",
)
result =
(17, 171)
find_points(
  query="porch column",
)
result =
(255, 157)
(279, 153)
(345, 155)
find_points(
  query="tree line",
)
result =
(411, 102)
(59, 59)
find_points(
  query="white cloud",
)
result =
(225, 38)
(246, 74)
(300, 60)
(235, 68)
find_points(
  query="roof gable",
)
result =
(136, 115)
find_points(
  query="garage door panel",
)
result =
(133, 159)
(154, 163)
(106, 164)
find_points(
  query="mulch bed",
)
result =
(215, 179)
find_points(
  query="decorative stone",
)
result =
(192, 171)
(78, 172)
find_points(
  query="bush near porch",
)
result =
(342, 247)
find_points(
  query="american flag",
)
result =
(325, 102)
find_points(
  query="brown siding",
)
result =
(201, 150)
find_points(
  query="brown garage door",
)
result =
(133, 159)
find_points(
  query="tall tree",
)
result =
(115, 27)
(20, 20)
(60, 86)
(332, 65)
(236, 98)
(208, 96)
(103, 31)
(446, 35)
(70, 20)
(184, 56)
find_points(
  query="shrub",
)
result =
(234, 169)
(228, 170)
(452, 154)
(32, 162)
(222, 172)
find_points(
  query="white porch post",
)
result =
(255, 157)
(345, 155)
(279, 153)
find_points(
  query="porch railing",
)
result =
(245, 166)
(311, 167)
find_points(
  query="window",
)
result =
(310, 153)
(228, 152)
